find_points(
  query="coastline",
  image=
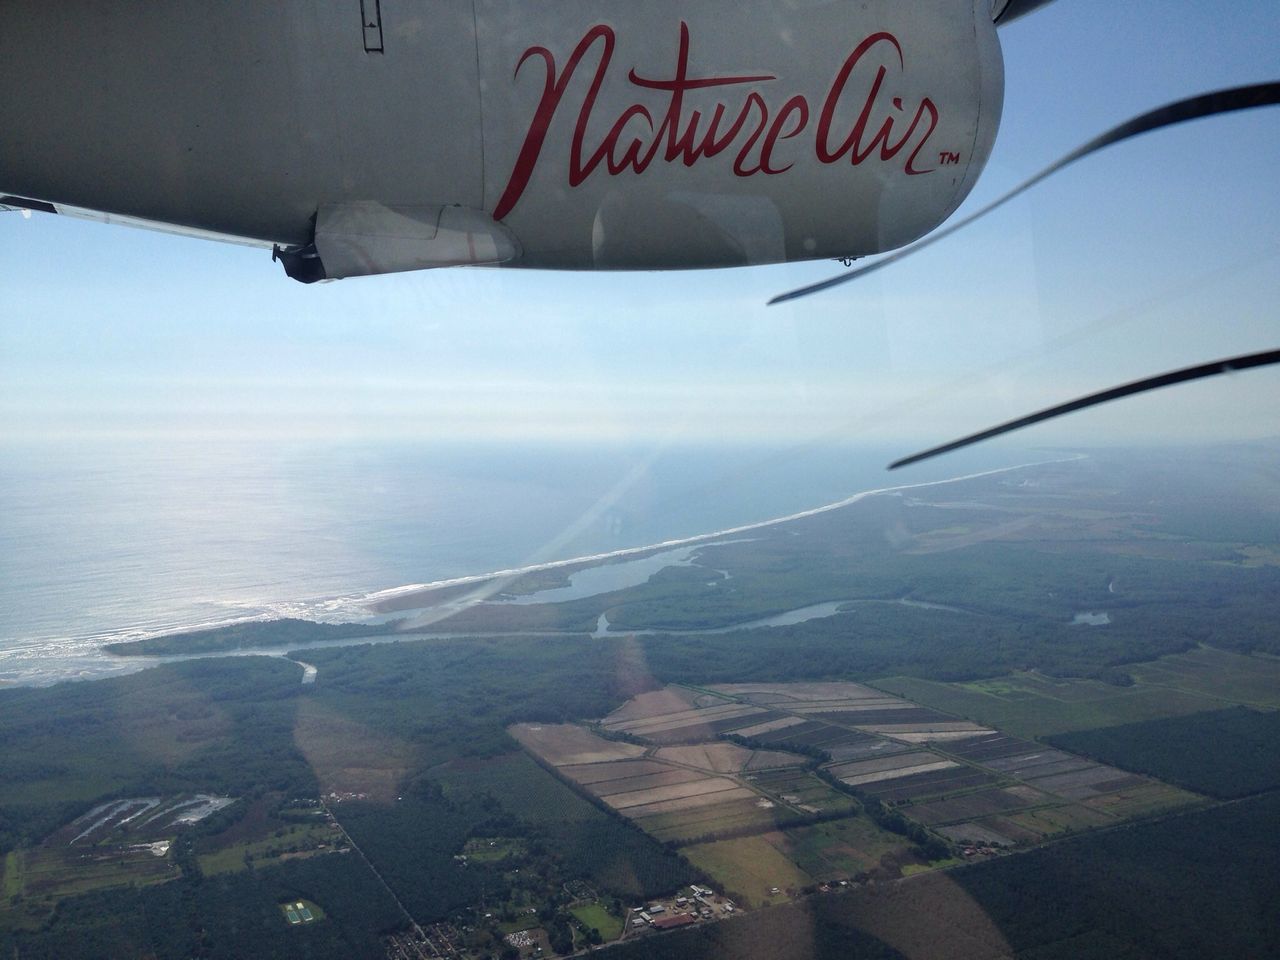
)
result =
(420, 596)
(86, 657)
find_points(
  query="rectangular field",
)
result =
(562, 744)
(664, 778)
(689, 803)
(920, 785)
(970, 806)
(1031, 706)
(675, 791)
(749, 868)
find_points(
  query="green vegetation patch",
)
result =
(844, 848)
(493, 849)
(295, 840)
(1230, 677)
(1226, 753)
(595, 916)
(1030, 705)
(750, 869)
(12, 883)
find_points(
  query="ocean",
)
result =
(108, 541)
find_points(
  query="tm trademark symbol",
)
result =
(947, 158)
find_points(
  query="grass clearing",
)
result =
(58, 872)
(749, 869)
(518, 784)
(595, 915)
(11, 881)
(1030, 705)
(299, 839)
(841, 848)
(1228, 677)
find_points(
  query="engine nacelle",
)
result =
(576, 134)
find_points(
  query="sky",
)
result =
(1159, 253)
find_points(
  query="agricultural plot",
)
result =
(727, 757)
(565, 743)
(1030, 705)
(665, 777)
(916, 786)
(752, 869)
(842, 848)
(972, 806)
(56, 871)
(1231, 677)
(746, 814)
(745, 811)
(690, 724)
(298, 840)
(802, 791)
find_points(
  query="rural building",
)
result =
(677, 920)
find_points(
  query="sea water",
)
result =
(106, 541)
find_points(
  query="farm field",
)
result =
(755, 816)
(1225, 676)
(842, 848)
(750, 869)
(1029, 705)
(301, 840)
(57, 871)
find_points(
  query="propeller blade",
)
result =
(1193, 108)
(1184, 375)
(1013, 9)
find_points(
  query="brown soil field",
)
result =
(894, 729)
(676, 791)
(588, 773)
(564, 743)
(868, 778)
(666, 778)
(671, 721)
(858, 767)
(690, 803)
(716, 757)
(780, 724)
(653, 704)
